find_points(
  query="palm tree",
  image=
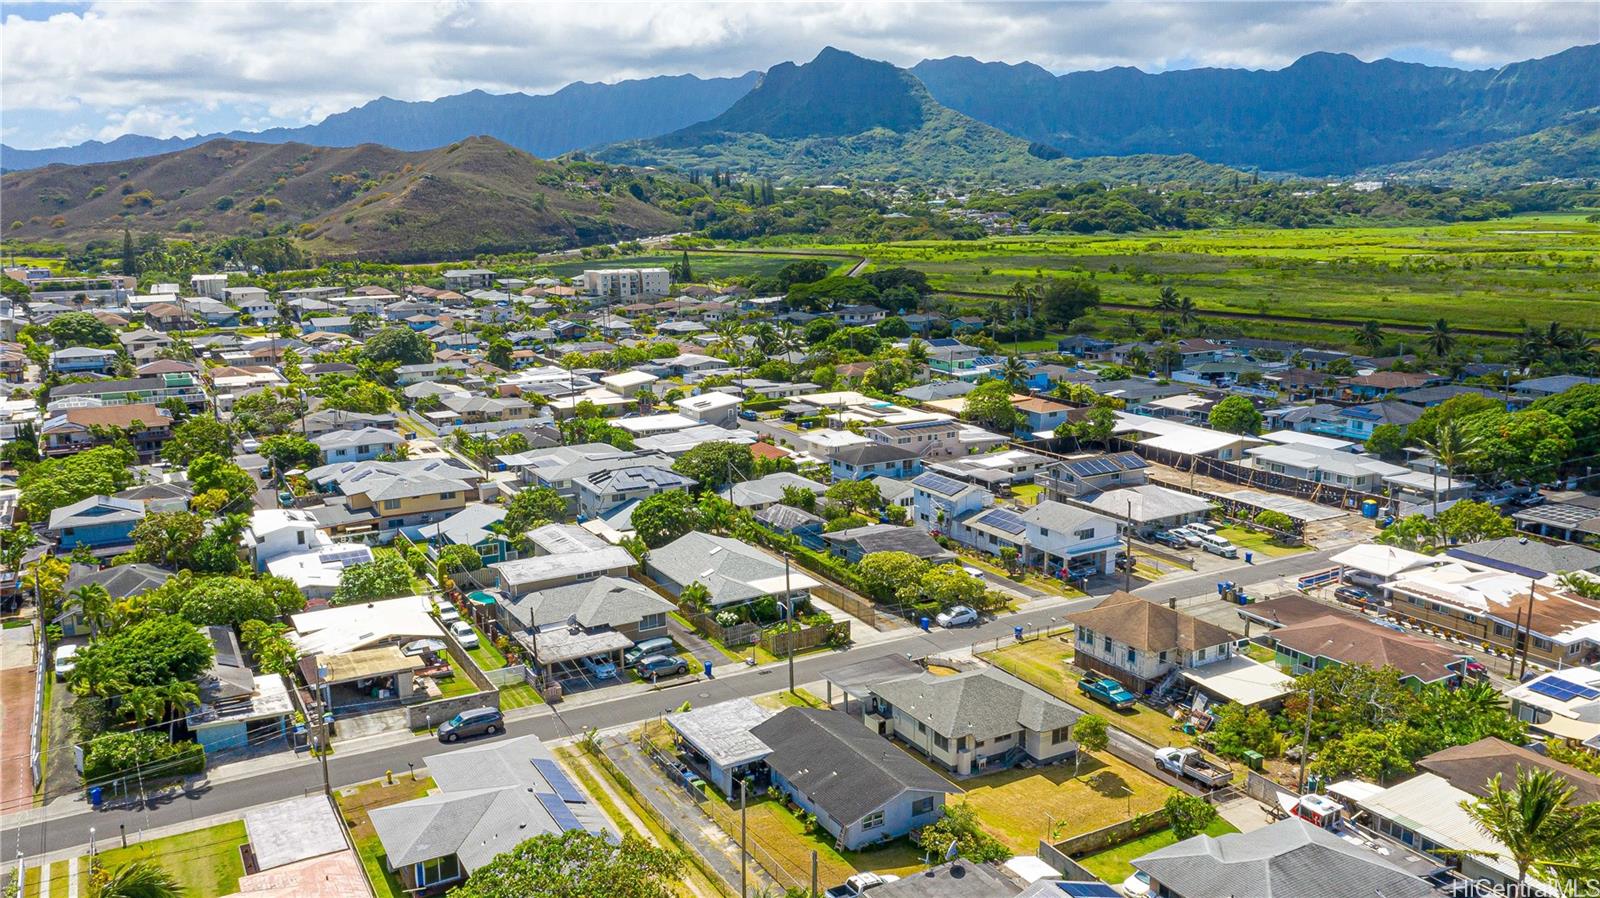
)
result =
(178, 696)
(135, 879)
(1441, 339)
(1138, 359)
(1186, 311)
(917, 351)
(1169, 356)
(143, 705)
(1370, 336)
(1450, 446)
(94, 605)
(1135, 323)
(1014, 372)
(1168, 300)
(1536, 821)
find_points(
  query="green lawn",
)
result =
(1257, 543)
(355, 803)
(1020, 806)
(206, 862)
(1255, 651)
(1043, 663)
(459, 684)
(1114, 864)
(780, 843)
(519, 696)
(486, 656)
(705, 265)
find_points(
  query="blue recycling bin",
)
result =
(96, 796)
(1017, 633)
(708, 670)
(923, 623)
(1249, 558)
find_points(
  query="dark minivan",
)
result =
(477, 722)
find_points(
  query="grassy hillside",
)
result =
(475, 195)
(1568, 150)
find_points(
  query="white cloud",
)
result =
(150, 121)
(167, 66)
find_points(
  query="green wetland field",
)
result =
(1494, 275)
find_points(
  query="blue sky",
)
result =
(77, 71)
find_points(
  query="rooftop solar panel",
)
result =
(557, 778)
(1563, 690)
(1087, 889)
(939, 483)
(1000, 519)
(559, 812)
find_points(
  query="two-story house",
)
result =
(155, 389)
(863, 460)
(147, 427)
(279, 532)
(603, 492)
(372, 500)
(83, 360)
(932, 439)
(949, 356)
(357, 445)
(1138, 643)
(1090, 473)
(103, 524)
(937, 501)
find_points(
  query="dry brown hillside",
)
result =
(477, 194)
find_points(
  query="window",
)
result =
(940, 742)
(1086, 533)
(1043, 532)
(391, 504)
(922, 806)
(444, 869)
(1162, 657)
(1106, 643)
(449, 495)
(652, 622)
(873, 820)
(300, 537)
(1086, 636)
(1502, 630)
(1200, 655)
(1132, 657)
(1060, 735)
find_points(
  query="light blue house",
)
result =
(365, 444)
(103, 523)
(238, 708)
(863, 460)
(83, 360)
(470, 527)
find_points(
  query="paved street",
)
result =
(52, 830)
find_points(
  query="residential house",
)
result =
(938, 501)
(1292, 858)
(463, 279)
(1378, 384)
(733, 572)
(1529, 557)
(1089, 473)
(973, 721)
(1564, 704)
(181, 385)
(376, 499)
(1345, 470)
(1553, 626)
(719, 409)
(602, 492)
(1147, 508)
(238, 708)
(325, 421)
(530, 574)
(863, 460)
(167, 317)
(120, 582)
(860, 316)
(1340, 639)
(720, 743)
(365, 444)
(861, 789)
(996, 471)
(1539, 387)
(564, 624)
(1140, 643)
(855, 543)
(71, 431)
(83, 360)
(278, 532)
(488, 799)
(471, 527)
(951, 357)
(930, 439)
(102, 524)
(790, 521)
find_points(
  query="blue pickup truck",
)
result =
(1107, 692)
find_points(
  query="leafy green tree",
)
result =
(200, 435)
(1537, 821)
(799, 497)
(884, 574)
(989, 405)
(1374, 755)
(1413, 532)
(231, 601)
(1387, 441)
(457, 559)
(664, 517)
(1092, 734)
(532, 508)
(499, 354)
(289, 451)
(577, 864)
(1527, 445)
(1579, 407)
(217, 472)
(845, 522)
(398, 344)
(1065, 300)
(1370, 336)
(1274, 520)
(268, 411)
(57, 482)
(1455, 408)
(79, 329)
(714, 465)
(960, 825)
(167, 538)
(354, 394)
(384, 577)
(152, 652)
(1188, 815)
(949, 585)
(1014, 372)
(1236, 414)
(804, 271)
(1239, 729)
(855, 495)
(1470, 521)
(273, 651)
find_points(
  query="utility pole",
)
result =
(322, 733)
(814, 875)
(1127, 567)
(744, 851)
(788, 595)
(1305, 746)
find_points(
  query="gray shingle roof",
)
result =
(728, 568)
(602, 602)
(848, 770)
(1289, 859)
(987, 700)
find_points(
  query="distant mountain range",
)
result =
(1327, 114)
(841, 116)
(577, 116)
(475, 195)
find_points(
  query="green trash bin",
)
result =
(1253, 759)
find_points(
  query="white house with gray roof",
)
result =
(357, 445)
(735, 573)
(525, 575)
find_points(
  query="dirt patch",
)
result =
(16, 685)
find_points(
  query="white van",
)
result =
(1201, 529)
(1216, 545)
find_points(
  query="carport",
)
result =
(856, 680)
(359, 680)
(559, 650)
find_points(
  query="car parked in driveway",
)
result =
(448, 613)
(477, 722)
(957, 616)
(1107, 692)
(1355, 595)
(1171, 538)
(600, 667)
(66, 660)
(652, 667)
(464, 634)
(660, 645)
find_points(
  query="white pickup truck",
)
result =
(859, 884)
(1191, 764)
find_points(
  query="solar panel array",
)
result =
(559, 812)
(1000, 519)
(1087, 889)
(939, 483)
(1563, 690)
(1089, 467)
(557, 778)
(1130, 461)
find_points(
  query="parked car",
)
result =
(1107, 691)
(1200, 529)
(1189, 763)
(1171, 538)
(661, 645)
(464, 634)
(418, 647)
(652, 667)
(860, 884)
(957, 616)
(1137, 885)
(1216, 545)
(1355, 595)
(1189, 537)
(600, 667)
(448, 613)
(66, 661)
(265, 473)
(477, 722)
(974, 571)
(749, 415)
(250, 444)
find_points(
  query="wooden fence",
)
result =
(778, 642)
